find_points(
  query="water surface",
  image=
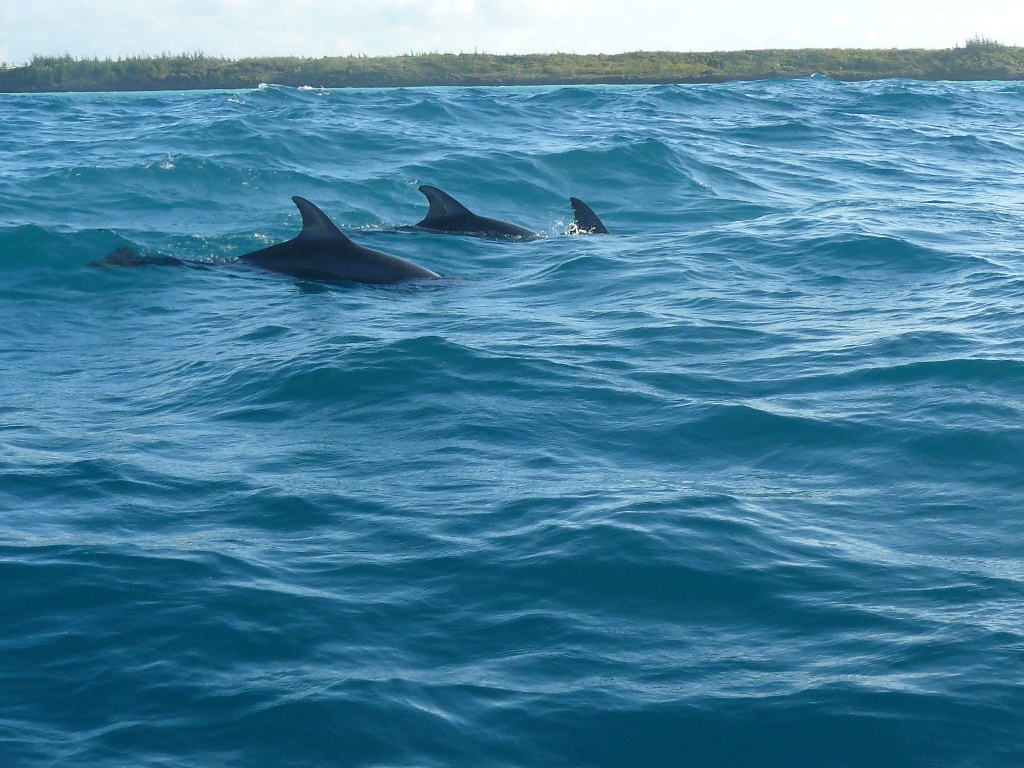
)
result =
(736, 485)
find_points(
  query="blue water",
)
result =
(740, 484)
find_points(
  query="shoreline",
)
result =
(978, 60)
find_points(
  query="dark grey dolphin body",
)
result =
(585, 221)
(321, 251)
(447, 215)
(128, 257)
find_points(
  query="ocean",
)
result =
(738, 484)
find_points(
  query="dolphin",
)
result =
(447, 215)
(320, 251)
(129, 257)
(585, 221)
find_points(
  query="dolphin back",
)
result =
(129, 257)
(448, 215)
(586, 221)
(321, 251)
(443, 207)
(316, 224)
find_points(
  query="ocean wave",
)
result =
(750, 463)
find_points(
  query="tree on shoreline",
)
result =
(979, 59)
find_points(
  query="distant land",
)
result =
(977, 59)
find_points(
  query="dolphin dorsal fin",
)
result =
(442, 205)
(586, 221)
(316, 223)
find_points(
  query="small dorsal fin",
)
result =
(587, 222)
(442, 205)
(316, 223)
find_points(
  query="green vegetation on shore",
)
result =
(979, 59)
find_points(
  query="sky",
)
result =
(239, 28)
